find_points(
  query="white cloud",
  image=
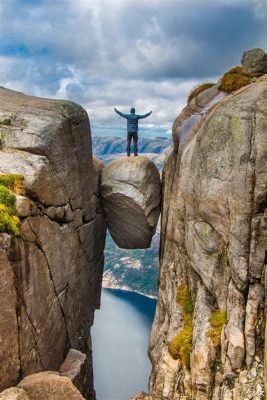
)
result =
(106, 53)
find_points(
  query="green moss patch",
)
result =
(235, 79)
(6, 196)
(180, 346)
(9, 221)
(13, 182)
(199, 89)
(217, 320)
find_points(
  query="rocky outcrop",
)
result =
(14, 394)
(49, 386)
(51, 273)
(131, 195)
(74, 367)
(255, 60)
(207, 339)
(193, 115)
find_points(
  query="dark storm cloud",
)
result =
(108, 52)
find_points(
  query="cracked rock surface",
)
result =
(50, 275)
(214, 242)
(131, 195)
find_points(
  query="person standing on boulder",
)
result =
(132, 128)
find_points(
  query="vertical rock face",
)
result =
(207, 339)
(51, 274)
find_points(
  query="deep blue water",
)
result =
(120, 337)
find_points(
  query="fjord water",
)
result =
(120, 337)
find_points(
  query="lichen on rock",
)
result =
(255, 60)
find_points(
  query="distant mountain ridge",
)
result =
(110, 145)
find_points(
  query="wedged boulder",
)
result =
(131, 195)
(49, 386)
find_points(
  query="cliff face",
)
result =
(208, 334)
(50, 274)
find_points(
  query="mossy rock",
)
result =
(199, 89)
(9, 221)
(217, 320)
(6, 196)
(13, 120)
(183, 298)
(235, 79)
(13, 182)
(181, 346)
(255, 60)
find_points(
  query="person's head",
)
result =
(132, 110)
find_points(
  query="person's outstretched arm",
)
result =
(120, 113)
(144, 115)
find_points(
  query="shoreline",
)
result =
(127, 289)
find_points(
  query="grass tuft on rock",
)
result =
(183, 298)
(9, 221)
(235, 79)
(13, 182)
(199, 89)
(217, 320)
(180, 346)
(6, 196)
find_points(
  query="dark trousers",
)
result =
(130, 136)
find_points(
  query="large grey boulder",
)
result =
(51, 274)
(131, 194)
(255, 60)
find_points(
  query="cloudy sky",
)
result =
(123, 53)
